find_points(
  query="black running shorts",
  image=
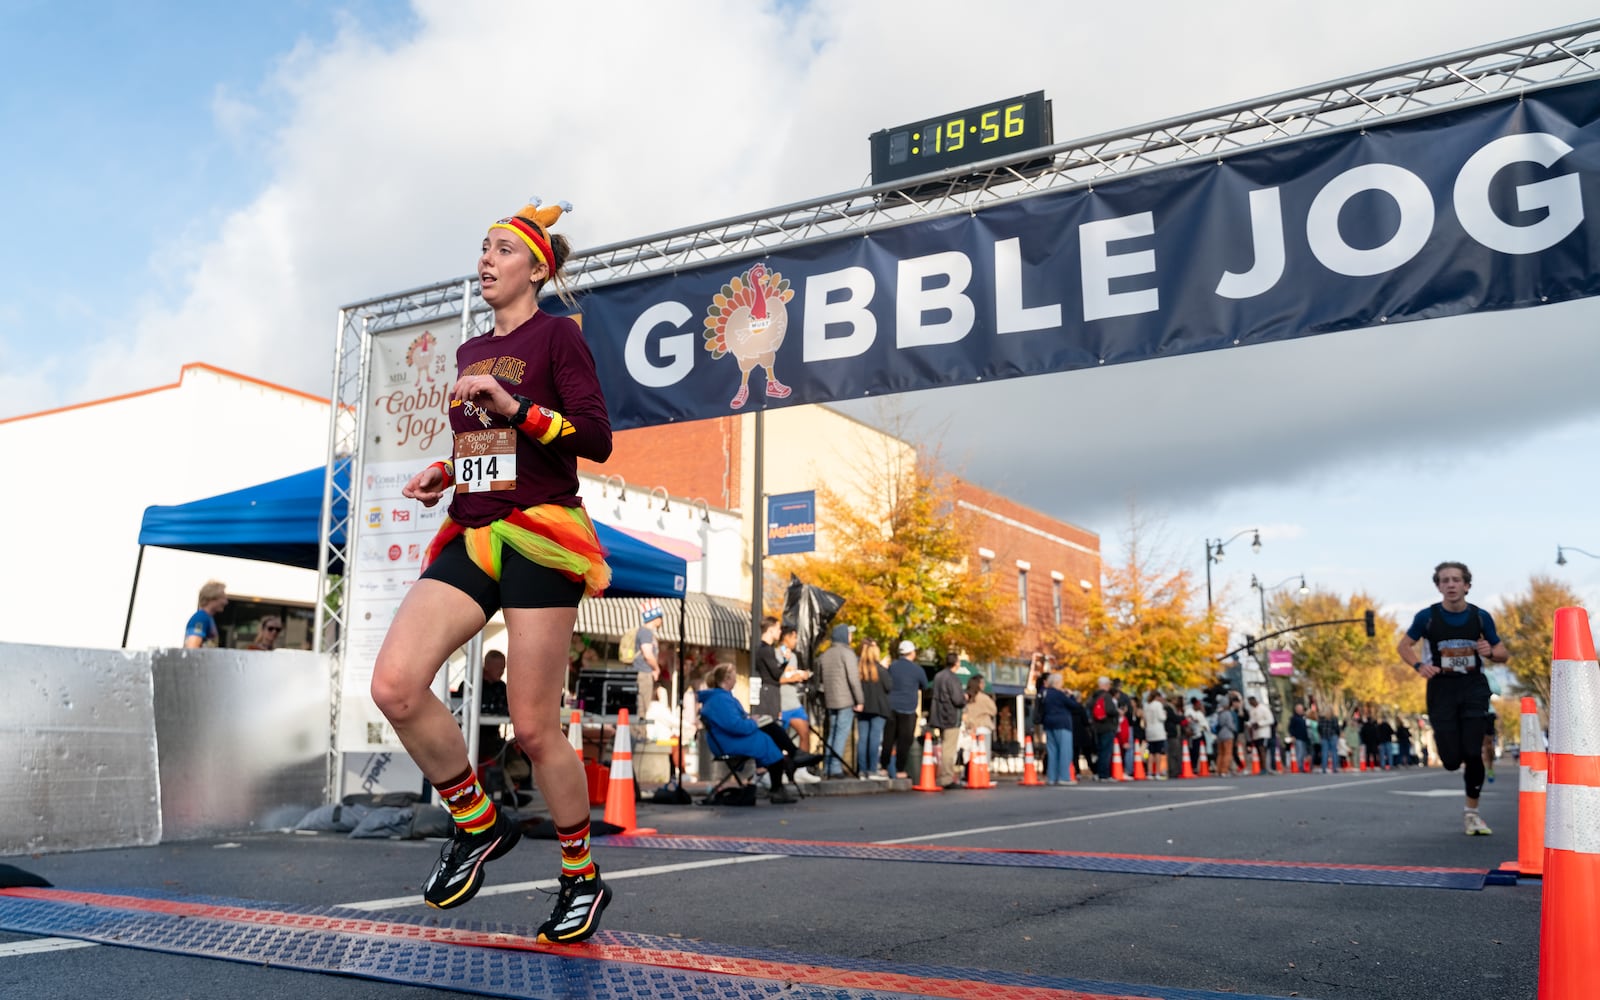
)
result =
(523, 583)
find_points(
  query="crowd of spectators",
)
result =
(865, 716)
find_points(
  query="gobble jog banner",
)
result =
(1482, 208)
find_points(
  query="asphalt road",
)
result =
(1276, 938)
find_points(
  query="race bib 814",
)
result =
(486, 460)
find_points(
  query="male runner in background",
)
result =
(1461, 640)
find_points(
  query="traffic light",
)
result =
(1371, 621)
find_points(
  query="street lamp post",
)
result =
(1214, 555)
(1256, 585)
(1562, 550)
(1276, 686)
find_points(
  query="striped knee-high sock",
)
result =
(575, 858)
(469, 805)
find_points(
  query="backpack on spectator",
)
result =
(1099, 710)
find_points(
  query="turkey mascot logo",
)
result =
(748, 320)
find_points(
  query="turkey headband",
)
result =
(532, 225)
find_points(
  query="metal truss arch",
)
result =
(1491, 72)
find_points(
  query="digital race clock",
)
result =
(979, 133)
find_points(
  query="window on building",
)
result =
(1055, 599)
(1022, 595)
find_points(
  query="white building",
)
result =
(75, 545)
(74, 538)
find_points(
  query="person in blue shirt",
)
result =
(202, 627)
(909, 680)
(1461, 640)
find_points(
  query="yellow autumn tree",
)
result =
(1138, 626)
(1341, 665)
(1526, 623)
(899, 560)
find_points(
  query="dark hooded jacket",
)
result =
(841, 675)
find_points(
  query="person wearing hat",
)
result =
(526, 405)
(907, 680)
(647, 652)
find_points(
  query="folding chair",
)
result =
(736, 765)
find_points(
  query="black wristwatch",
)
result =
(524, 404)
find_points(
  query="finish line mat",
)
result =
(502, 960)
(1126, 864)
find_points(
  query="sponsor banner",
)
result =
(409, 376)
(1280, 663)
(792, 523)
(1480, 208)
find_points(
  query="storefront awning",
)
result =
(711, 620)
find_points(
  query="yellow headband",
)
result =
(532, 225)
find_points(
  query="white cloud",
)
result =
(235, 117)
(389, 159)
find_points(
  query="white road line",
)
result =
(612, 875)
(57, 944)
(1134, 812)
(42, 944)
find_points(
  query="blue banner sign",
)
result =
(792, 523)
(1480, 208)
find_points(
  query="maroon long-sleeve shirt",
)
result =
(546, 360)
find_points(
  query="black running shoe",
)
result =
(579, 903)
(458, 874)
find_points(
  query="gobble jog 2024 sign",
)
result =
(1481, 208)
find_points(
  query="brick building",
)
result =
(701, 459)
(1044, 559)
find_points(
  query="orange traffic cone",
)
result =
(1030, 767)
(1255, 760)
(1188, 767)
(620, 793)
(929, 781)
(1530, 795)
(978, 766)
(1072, 776)
(1362, 761)
(1569, 940)
(575, 732)
(1205, 762)
(1277, 759)
(1117, 773)
(1138, 761)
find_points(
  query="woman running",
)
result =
(525, 406)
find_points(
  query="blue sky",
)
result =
(197, 182)
(117, 124)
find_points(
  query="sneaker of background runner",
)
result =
(579, 903)
(458, 873)
(1474, 824)
(1489, 773)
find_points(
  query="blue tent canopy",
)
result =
(276, 522)
(280, 522)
